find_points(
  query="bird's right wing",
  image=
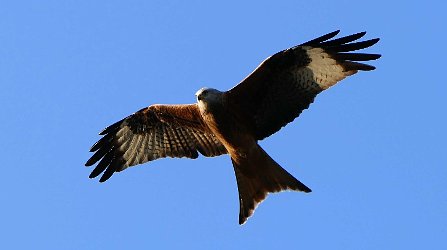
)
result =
(286, 83)
(154, 132)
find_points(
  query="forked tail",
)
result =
(257, 175)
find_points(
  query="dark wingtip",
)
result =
(104, 131)
(333, 33)
(353, 66)
(343, 40)
(371, 42)
(321, 38)
(89, 162)
(354, 46)
(95, 146)
(111, 127)
(105, 141)
(356, 56)
(97, 171)
(357, 35)
(110, 170)
(96, 156)
(374, 41)
(105, 177)
(375, 56)
(102, 180)
(92, 175)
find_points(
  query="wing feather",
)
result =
(154, 132)
(342, 40)
(166, 142)
(131, 149)
(321, 38)
(285, 84)
(102, 165)
(152, 146)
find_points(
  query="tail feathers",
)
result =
(258, 176)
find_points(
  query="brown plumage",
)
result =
(232, 122)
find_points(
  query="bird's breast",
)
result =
(230, 128)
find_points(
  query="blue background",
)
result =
(373, 148)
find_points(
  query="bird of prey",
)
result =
(232, 122)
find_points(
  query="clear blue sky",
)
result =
(373, 148)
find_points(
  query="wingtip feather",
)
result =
(89, 162)
(92, 175)
(321, 38)
(111, 127)
(104, 179)
(107, 174)
(354, 66)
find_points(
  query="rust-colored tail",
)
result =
(257, 175)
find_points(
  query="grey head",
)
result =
(207, 98)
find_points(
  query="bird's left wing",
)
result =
(286, 83)
(154, 132)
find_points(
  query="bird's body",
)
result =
(232, 122)
(230, 127)
(256, 173)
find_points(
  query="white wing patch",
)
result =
(326, 71)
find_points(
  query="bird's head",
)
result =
(207, 97)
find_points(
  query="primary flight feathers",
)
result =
(231, 122)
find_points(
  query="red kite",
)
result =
(232, 122)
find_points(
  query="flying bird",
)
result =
(232, 122)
